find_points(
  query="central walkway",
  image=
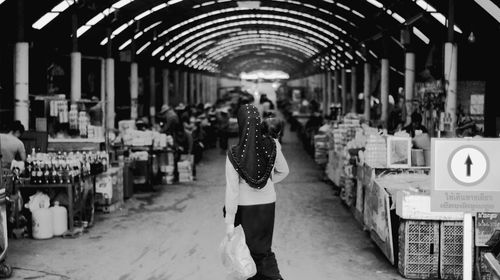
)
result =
(174, 234)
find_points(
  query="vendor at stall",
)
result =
(11, 147)
(415, 125)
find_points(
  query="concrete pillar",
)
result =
(192, 98)
(76, 76)
(366, 90)
(384, 90)
(204, 88)
(336, 82)
(152, 93)
(110, 93)
(354, 89)
(324, 92)
(328, 91)
(166, 86)
(134, 90)
(185, 87)
(21, 83)
(198, 88)
(450, 77)
(344, 90)
(103, 86)
(409, 85)
(176, 86)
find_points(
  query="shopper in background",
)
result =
(395, 120)
(183, 145)
(169, 118)
(253, 166)
(11, 147)
(415, 125)
(223, 127)
(273, 126)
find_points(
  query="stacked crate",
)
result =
(321, 148)
(419, 249)
(451, 247)
(109, 190)
(185, 168)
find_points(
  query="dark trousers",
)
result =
(223, 139)
(258, 224)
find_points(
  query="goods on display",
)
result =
(62, 168)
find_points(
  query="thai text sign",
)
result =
(465, 175)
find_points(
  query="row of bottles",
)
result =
(62, 168)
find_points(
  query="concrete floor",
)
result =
(174, 233)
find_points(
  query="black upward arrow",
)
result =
(468, 162)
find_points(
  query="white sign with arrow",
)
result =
(468, 165)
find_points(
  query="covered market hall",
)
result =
(372, 128)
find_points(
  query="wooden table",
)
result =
(77, 192)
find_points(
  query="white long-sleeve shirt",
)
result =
(238, 192)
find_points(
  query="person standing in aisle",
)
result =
(253, 166)
(11, 147)
(223, 128)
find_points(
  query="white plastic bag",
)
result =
(236, 257)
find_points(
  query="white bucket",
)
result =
(42, 223)
(59, 219)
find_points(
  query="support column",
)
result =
(354, 89)
(76, 76)
(366, 90)
(176, 87)
(21, 83)
(344, 90)
(409, 85)
(198, 88)
(21, 71)
(328, 91)
(152, 93)
(336, 82)
(324, 92)
(134, 90)
(166, 86)
(204, 88)
(185, 87)
(384, 90)
(192, 98)
(450, 77)
(76, 61)
(110, 93)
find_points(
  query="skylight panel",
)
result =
(490, 7)
(61, 7)
(124, 45)
(421, 35)
(121, 3)
(398, 17)
(48, 17)
(343, 6)
(143, 47)
(44, 20)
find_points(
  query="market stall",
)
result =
(385, 182)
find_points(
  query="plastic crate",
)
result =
(419, 249)
(451, 250)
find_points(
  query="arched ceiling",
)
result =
(228, 36)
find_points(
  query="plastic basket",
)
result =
(451, 250)
(418, 249)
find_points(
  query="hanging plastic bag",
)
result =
(37, 201)
(236, 257)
